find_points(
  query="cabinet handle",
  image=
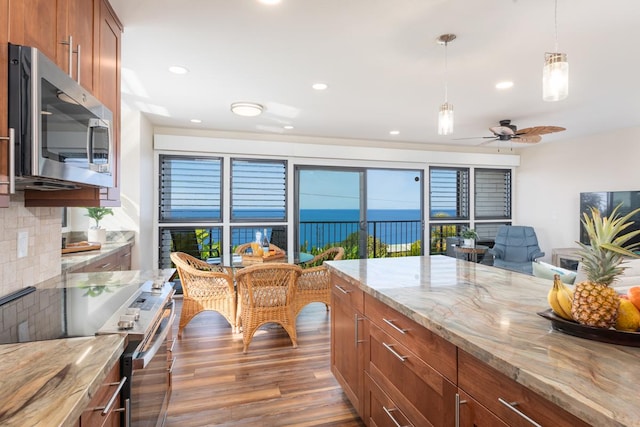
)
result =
(458, 403)
(103, 266)
(389, 413)
(12, 161)
(393, 325)
(343, 290)
(356, 320)
(78, 63)
(395, 353)
(105, 409)
(512, 406)
(173, 362)
(70, 44)
(173, 343)
(126, 410)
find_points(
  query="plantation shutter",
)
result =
(449, 193)
(190, 189)
(492, 193)
(258, 190)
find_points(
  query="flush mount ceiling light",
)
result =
(196, 121)
(555, 73)
(287, 127)
(177, 69)
(445, 115)
(507, 84)
(246, 109)
(319, 86)
(394, 132)
(269, 2)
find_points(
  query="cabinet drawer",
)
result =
(348, 293)
(436, 351)
(487, 386)
(92, 415)
(473, 414)
(421, 393)
(380, 410)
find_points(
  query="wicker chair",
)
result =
(313, 283)
(205, 288)
(241, 249)
(267, 293)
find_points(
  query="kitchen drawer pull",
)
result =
(389, 413)
(395, 353)
(512, 406)
(173, 362)
(78, 63)
(356, 319)
(343, 290)
(70, 44)
(107, 408)
(126, 410)
(458, 403)
(393, 325)
(103, 266)
(173, 343)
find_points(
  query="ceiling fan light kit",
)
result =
(445, 115)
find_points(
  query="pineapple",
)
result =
(594, 302)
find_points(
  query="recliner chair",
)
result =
(516, 247)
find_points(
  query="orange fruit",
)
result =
(634, 296)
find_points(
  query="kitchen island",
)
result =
(57, 381)
(489, 315)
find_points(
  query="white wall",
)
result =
(551, 177)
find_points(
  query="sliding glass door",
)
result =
(372, 213)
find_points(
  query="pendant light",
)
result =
(555, 74)
(445, 115)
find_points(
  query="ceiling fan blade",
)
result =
(540, 130)
(501, 130)
(491, 140)
(474, 137)
(527, 138)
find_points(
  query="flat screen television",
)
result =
(606, 201)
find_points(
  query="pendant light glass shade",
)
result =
(555, 77)
(445, 119)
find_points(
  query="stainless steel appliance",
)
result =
(62, 134)
(42, 314)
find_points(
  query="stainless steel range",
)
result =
(141, 310)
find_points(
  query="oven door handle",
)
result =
(142, 359)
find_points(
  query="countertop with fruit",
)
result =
(492, 314)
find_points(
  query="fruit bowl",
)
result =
(611, 336)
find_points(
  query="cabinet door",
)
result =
(4, 125)
(473, 414)
(92, 415)
(347, 353)
(37, 23)
(381, 410)
(79, 17)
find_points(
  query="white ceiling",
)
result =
(383, 66)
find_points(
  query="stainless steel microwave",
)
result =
(63, 134)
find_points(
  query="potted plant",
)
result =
(97, 233)
(469, 235)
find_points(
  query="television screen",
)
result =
(606, 201)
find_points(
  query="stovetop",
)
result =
(44, 314)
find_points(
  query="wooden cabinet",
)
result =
(347, 340)
(4, 120)
(473, 414)
(105, 407)
(414, 368)
(511, 402)
(116, 261)
(95, 32)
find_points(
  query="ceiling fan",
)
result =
(508, 132)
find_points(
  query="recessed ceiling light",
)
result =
(320, 86)
(247, 109)
(177, 69)
(196, 121)
(288, 127)
(394, 132)
(270, 2)
(504, 85)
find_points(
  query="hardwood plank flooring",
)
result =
(274, 384)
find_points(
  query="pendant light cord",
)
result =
(446, 73)
(555, 23)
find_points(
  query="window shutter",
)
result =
(449, 193)
(258, 190)
(492, 193)
(190, 189)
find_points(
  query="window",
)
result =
(258, 190)
(190, 189)
(449, 193)
(492, 194)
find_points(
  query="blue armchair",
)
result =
(516, 247)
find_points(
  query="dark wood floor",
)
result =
(215, 384)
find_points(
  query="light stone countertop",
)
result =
(491, 314)
(49, 383)
(116, 241)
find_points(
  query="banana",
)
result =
(560, 298)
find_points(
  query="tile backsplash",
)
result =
(36, 232)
